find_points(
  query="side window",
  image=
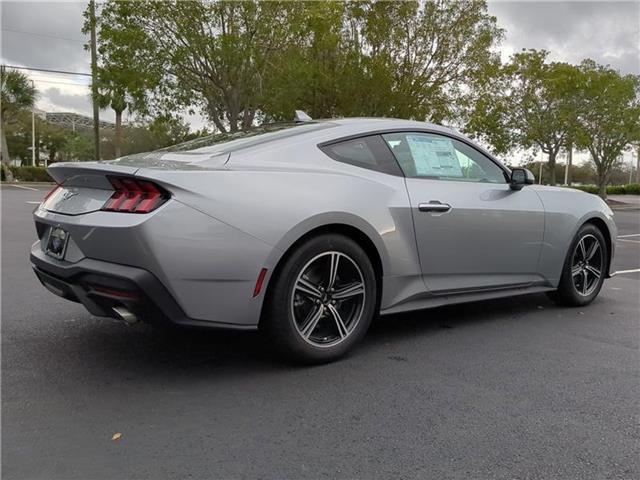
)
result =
(366, 152)
(425, 155)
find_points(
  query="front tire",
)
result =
(322, 300)
(584, 268)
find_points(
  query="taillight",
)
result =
(54, 190)
(133, 195)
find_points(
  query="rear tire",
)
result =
(584, 268)
(321, 301)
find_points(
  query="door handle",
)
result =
(434, 206)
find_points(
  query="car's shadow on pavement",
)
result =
(429, 321)
(147, 349)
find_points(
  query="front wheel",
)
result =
(584, 269)
(322, 300)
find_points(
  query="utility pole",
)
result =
(567, 180)
(540, 175)
(33, 131)
(638, 165)
(94, 80)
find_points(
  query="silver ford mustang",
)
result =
(307, 230)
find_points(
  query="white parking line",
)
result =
(630, 235)
(34, 203)
(635, 270)
(628, 241)
(23, 187)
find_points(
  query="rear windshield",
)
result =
(220, 143)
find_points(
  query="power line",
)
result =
(40, 76)
(37, 80)
(23, 32)
(48, 70)
(60, 82)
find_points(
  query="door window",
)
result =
(425, 155)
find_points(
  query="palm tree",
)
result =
(121, 88)
(17, 93)
(111, 94)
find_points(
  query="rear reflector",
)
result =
(135, 196)
(112, 292)
(259, 282)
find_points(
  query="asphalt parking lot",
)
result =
(512, 389)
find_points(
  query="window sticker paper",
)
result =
(434, 156)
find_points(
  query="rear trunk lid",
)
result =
(82, 187)
(76, 200)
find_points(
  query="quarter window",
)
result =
(425, 155)
(366, 152)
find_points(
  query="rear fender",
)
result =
(321, 220)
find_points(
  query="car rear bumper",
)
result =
(207, 267)
(104, 288)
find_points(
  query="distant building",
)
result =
(73, 121)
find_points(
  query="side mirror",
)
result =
(521, 177)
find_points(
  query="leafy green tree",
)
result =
(608, 116)
(545, 105)
(308, 72)
(621, 173)
(584, 174)
(159, 133)
(124, 79)
(52, 139)
(395, 59)
(17, 93)
(241, 62)
(79, 147)
(17, 133)
(214, 56)
(168, 131)
(487, 115)
(422, 59)
(531, 103)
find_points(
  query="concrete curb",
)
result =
(27, 184)
(627, 207)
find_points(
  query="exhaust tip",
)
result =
(125, 315)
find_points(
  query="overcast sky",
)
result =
(48, 35)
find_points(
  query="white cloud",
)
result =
(605, 31)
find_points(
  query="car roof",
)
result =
(322, 130)
(364, 124)
(319, 132)
(315, 132)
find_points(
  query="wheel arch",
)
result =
(601, 225)
(355, 233)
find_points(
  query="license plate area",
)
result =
(57, 242)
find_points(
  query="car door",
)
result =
(473, 232)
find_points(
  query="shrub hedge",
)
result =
(586, 188)
(630, 189)
(30, 174)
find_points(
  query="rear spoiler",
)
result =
(87, 174)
